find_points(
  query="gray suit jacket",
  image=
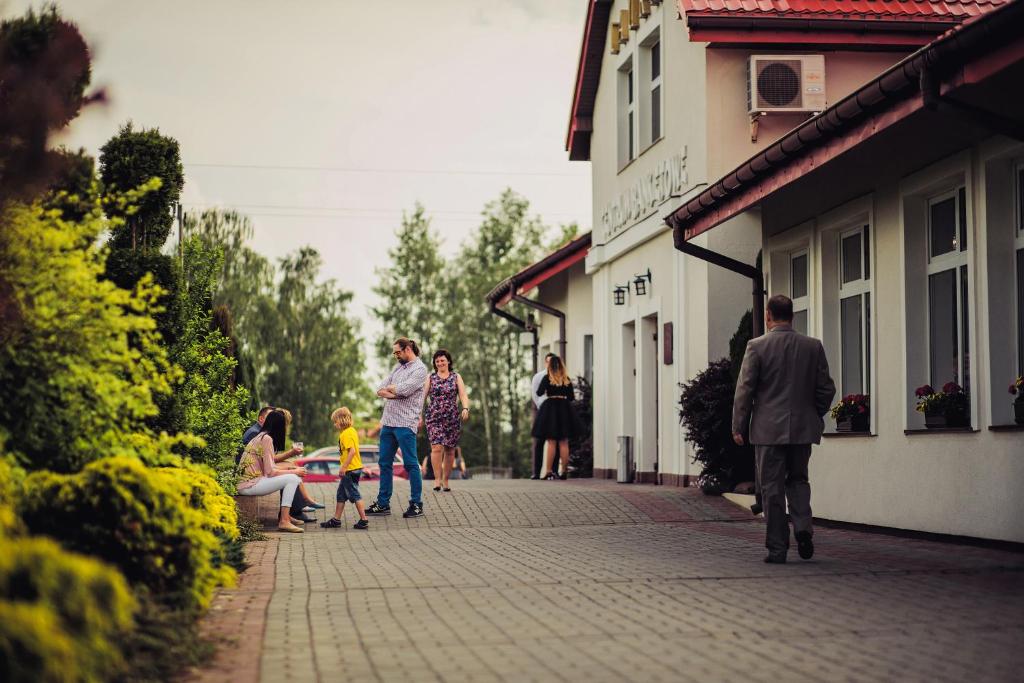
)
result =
(784, 389)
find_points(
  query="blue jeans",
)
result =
(392, 439)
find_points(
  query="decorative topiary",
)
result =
(137, 519)
(83, 606)
(705, 412)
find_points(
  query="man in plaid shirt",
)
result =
(402, 392)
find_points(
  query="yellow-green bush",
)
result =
(62, 615)
(136, 518)
(10, 484)
(202, 492)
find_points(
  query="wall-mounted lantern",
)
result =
(620, 294)
(640, 282)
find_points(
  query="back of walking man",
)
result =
(784, 390)
(402, 392)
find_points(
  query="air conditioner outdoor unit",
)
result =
(786, 83)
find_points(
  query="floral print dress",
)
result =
(443, 417)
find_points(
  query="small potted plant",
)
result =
(852, 413)
(1017, 389)
(949, 408)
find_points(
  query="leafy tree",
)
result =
(129, 159)
(73, 190)
(486, 351)
(314, 360)
(83, 365)
(44, 69)
(411, 289)
(211, 404)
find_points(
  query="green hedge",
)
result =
(62, 615)
(141, 520)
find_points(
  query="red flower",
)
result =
(862, 410)
(924, 390)
(1013, 388)
(951, 388)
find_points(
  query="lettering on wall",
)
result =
(666, 180)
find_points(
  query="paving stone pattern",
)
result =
(596, 581)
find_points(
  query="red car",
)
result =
(324, 464)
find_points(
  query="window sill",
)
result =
(942, 430)
(830, 435)
(650, 146)
(1006, 428)
(629, 163)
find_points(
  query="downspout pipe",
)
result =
(544, 308)
(521, 324)
(754, 273)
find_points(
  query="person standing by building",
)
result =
(444, 391)
(783, 392)
(557, 421)
(402, 392)
(538, 400)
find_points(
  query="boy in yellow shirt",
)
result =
(351, 471)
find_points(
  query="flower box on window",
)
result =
(946, 409)
(852, 413)
(1017, 389)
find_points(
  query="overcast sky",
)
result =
(322, 120)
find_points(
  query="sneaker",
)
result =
(804, 544)
(415, 510)
(361, 524)
(378, 509)
(332, 523)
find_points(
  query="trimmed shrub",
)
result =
(200, 491)
(10, 484)
(705, 412)
(138, 520)
(82, 607)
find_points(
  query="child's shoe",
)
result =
(332, 523)
(361, 524)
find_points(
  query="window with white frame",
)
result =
(1019, 249)
(588, 358)
(948, 295)
(650, 85)
(855, 310)
(627, 113)
(798, 289)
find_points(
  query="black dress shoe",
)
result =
(536, 476)
(308, 518)
(775, 559)
(804, 544)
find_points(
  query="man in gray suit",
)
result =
(784, 390)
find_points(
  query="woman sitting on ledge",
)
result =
(261, 475)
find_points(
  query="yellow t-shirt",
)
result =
(346, 440)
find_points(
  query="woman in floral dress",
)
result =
(443, 392)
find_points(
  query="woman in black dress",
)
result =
(557, 421)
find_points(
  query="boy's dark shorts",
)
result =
(348, 487)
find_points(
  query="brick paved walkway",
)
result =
(584, 581)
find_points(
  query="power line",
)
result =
(397, 212)
(412, 171)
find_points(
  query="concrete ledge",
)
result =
(263, 509)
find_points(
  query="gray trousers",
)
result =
(782, 477)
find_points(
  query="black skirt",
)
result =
(557, 420)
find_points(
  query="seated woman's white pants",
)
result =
(282, 482)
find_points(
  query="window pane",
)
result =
(851, 258)
(631, 141)
(655, 113)
(1020, 311)
(851, 331)
(334, 467)
(1020, 199)
(798, 276)
(867, 255)
(588, 357)
(965, 321)
(942, 327)
(800, 321)
(943, 227)
(655, 60)
(962, 215)
(867, 344)
(629, 87)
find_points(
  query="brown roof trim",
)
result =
(741, 187)
(588, 75)
(508, 287)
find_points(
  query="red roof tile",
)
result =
(952, 11)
